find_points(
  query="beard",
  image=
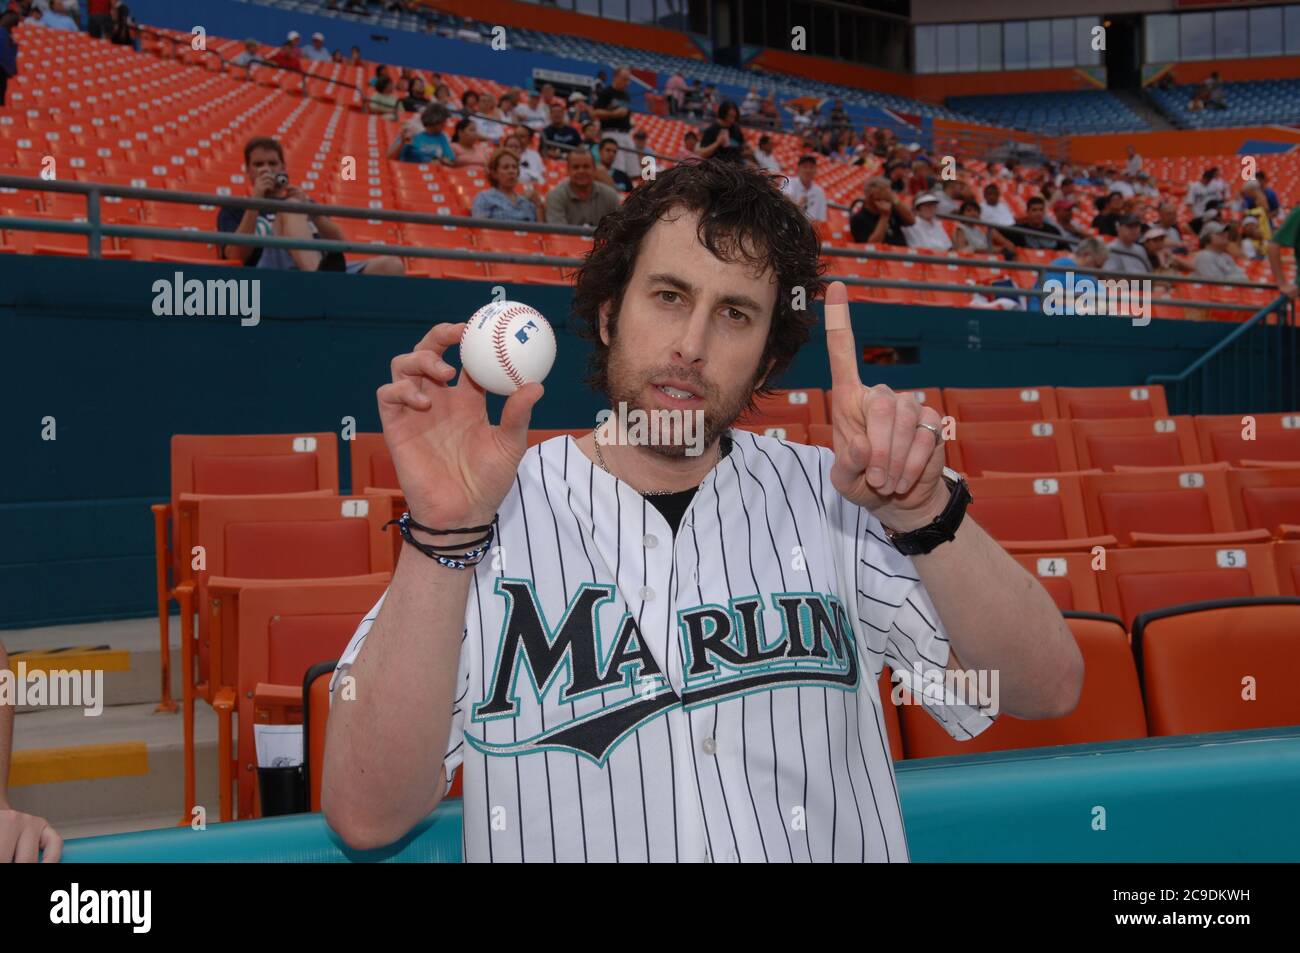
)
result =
(626, 384)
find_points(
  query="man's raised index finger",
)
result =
(839, 336)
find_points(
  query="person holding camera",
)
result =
(269, 179)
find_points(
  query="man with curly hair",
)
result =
(641, 653)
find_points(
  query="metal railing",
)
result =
(96, 230)
(1256, 368)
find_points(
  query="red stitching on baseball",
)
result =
(499, 343)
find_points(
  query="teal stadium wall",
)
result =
(81, 344)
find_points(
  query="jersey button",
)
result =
(709, 746)
(647, 593)
(650, 541)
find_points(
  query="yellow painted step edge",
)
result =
(108, 660)
(79, 763)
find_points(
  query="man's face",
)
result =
(928, 210)
(487, 103)
(608, 152)
(1219, 241)
(1114, 203)
(581, 168)
(807, 172)
(1034, 214)
(1128, 234)
(692, 323)
(620, 78)
(991, 196)
(1154, 246)
(317, 43)
(1167, 215)
(557, 114)
(691, 142)
(591, 131)
(263, 160)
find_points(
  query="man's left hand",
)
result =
(885, 460)
(24, 836)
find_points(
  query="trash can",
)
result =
(282, 790)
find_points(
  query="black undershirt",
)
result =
(673, 505)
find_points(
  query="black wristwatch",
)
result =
(943, 528)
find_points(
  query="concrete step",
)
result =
(122, 768)
(126, 651)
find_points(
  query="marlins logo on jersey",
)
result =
(627, 694)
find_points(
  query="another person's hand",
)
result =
(264, 185)
(1289, 289)
(24, 836)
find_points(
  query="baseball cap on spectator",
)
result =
(577, 97)
(691, 134)
(1151, 233)
(318, 36)
(1061, 206)
(925, 198)
(1130, 220)
(293, 35)
(1212, 228)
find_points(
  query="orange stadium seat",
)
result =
(982, 404)
(247, 540)
(1012, 446)
(1220, 666)
(285, 629)
(1109, 709)
(1165, 507)
(539, 436)
(1068, 578)
(1096, 403)
(1276, 437)
(821, 435)
(1141, 580)
(1031, 514)
(1287, 557)
(799, 406)
(1267, 499)
(242, 464)
(1140, 442)
(790, 432)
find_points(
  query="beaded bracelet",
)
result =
(458, 556)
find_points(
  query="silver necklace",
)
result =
(600, 458)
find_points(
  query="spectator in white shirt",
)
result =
(806, 193)
(1121, 184)
(488, 121)
(1126, 254)
(532, 113)
(763, 155)
(316, 49)
(1134, 162)
(1213, 260)
(993, 210)
(1210, 188)
(928, 232)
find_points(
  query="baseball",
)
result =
(505, 345)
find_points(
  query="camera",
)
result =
(281, 180)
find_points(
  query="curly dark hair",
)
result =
(744, 217)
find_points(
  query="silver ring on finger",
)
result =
(938, 435)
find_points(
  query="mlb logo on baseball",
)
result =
(507, 344)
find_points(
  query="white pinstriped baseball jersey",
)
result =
(625, 695)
